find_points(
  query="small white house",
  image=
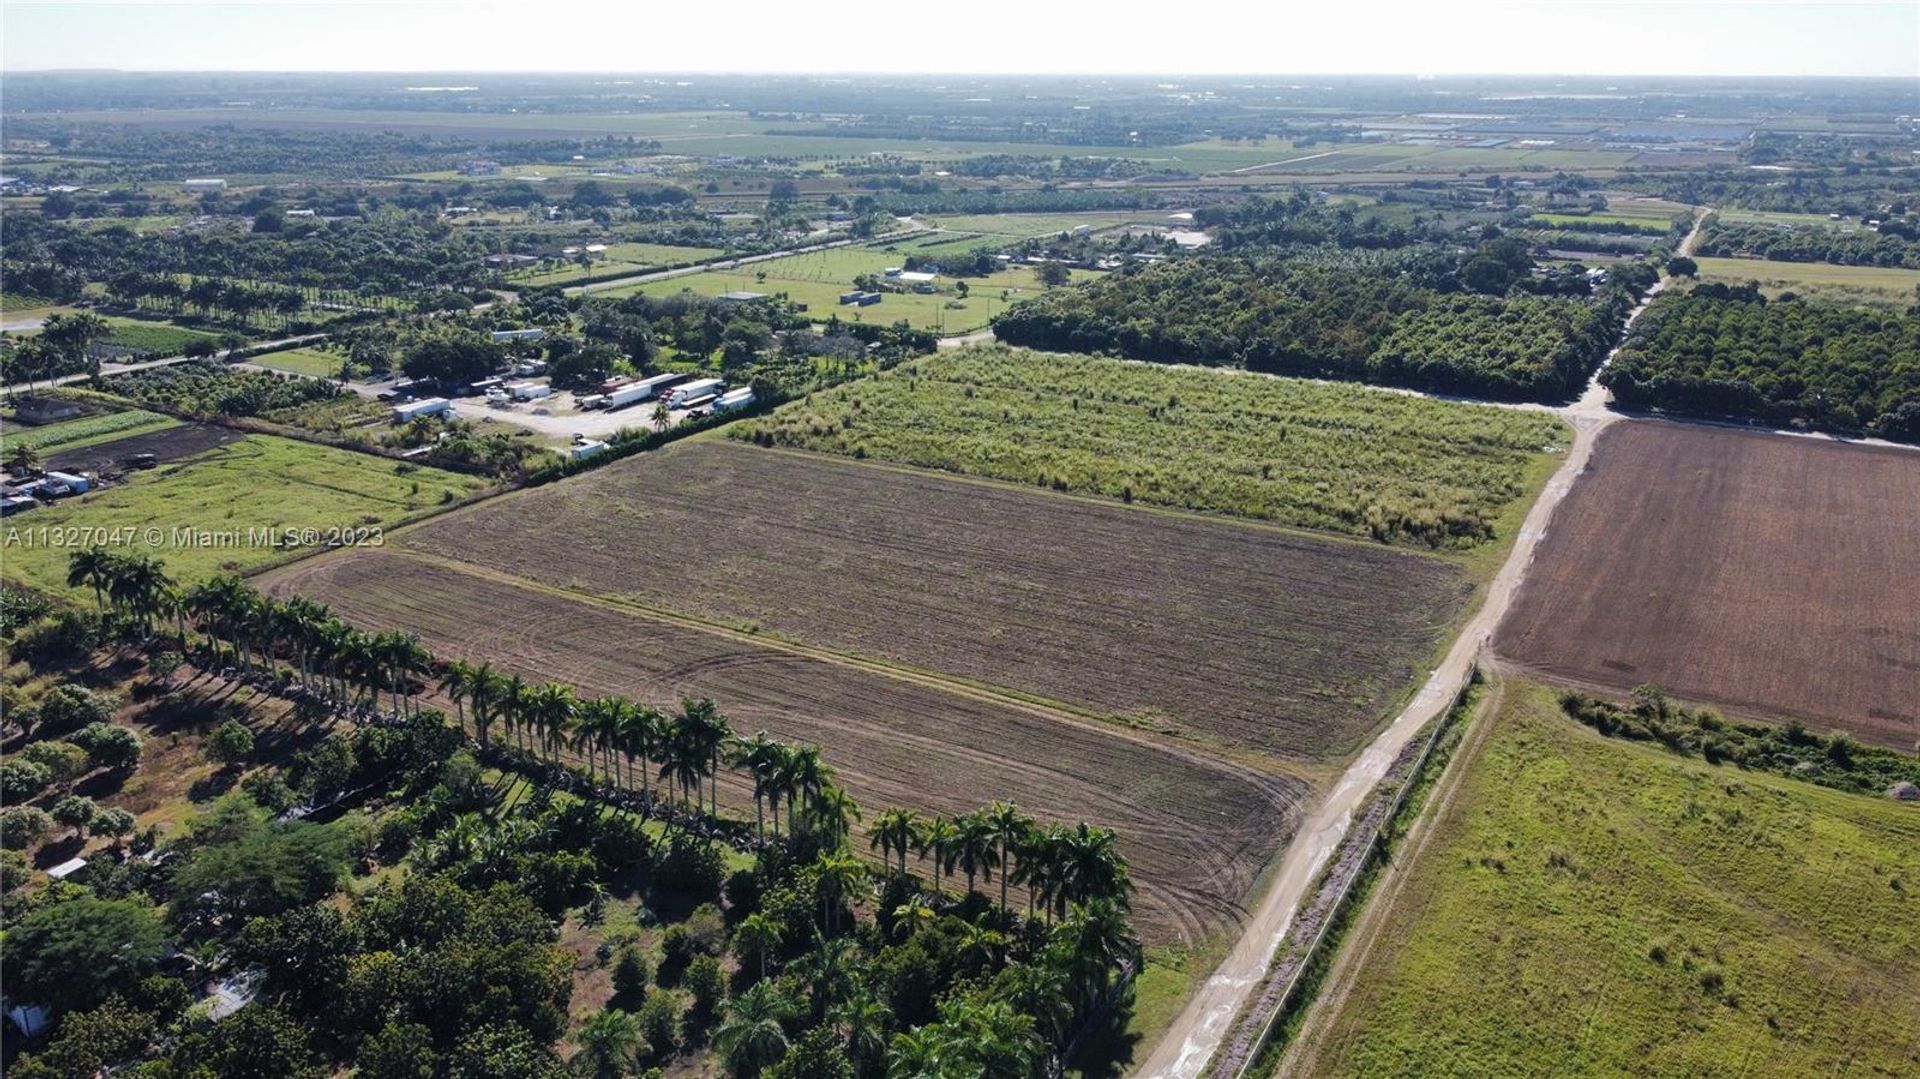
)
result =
(531, 333)
(205, 183)
(70, 869)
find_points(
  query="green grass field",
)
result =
(1872, 284)
(312, 362)
(85, 431)
(1342, 458)
(818, 278)
(152, 338)
(626, 258)
(259, 482)
(1602, 908)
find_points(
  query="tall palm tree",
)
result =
(760, 756)
(751, 1036)
(760, 934)
(937, 846)
(829, 971)
(457, 682)
(832, 814)
(707, 732)
(488, 692)
(683, 758)
(641, 730)
(974, 851)
(893, 834)
(91, 567)
(806, 775)
(841, 878)
(863, 1022)
(1010, 829)
(550, 719)
(512, 703)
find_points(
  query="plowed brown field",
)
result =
(1234, 635)
(1770, 576)
(1198, 830)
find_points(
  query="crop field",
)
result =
(259, 482)
(82, 432)
(1343, 458)
(1883, 284)
(1197, 830)
(312, 362)
(1771, 576)
(1222, 634)
(1596, 907)
(818, 278)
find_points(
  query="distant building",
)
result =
(531, 333)
(740, 297)
(507, 262)
(208, 183)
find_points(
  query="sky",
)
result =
(1196, 37)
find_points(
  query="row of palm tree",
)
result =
(615, 738)
(335, 660)
(1057, 865)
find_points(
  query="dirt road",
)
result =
(1184, 1051)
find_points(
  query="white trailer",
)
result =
(413, 410)
(529, 391)
(733, 399)
(703, 387)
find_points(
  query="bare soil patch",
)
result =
(170, 444)
(1196, 829)
(1232, 635)
(1770, 576)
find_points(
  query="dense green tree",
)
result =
(257, 1042)
(72, 954)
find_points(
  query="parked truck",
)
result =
(733, 399)
(698, 388)
(412, 410)
(529, 391)
(644, 390)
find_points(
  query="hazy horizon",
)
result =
(1206, 38)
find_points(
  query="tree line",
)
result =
(1727, 351)
(1401, 319)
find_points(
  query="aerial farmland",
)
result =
(635, 575)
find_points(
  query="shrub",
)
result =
(707, 983)
(64, 761)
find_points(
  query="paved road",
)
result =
(123, 368)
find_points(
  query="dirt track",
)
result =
(1209, 1014)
